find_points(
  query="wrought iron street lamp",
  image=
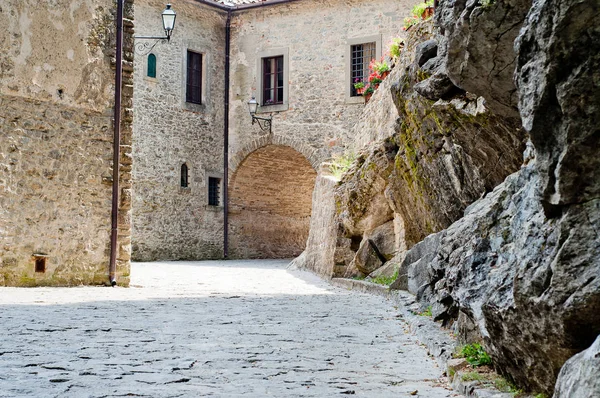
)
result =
(266, 121)
(168, 19)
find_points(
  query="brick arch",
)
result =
(270, 203)
(315, 157)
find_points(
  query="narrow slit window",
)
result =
(184, 176)
(214, 191)
(360, 57)
(151, 65)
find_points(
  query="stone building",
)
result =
(56, 128)
(56, 139)
(296, 58)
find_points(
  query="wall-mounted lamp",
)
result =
(168, 19)
(266, 121)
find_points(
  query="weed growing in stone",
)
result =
(341, 163)
(504, 385)
(427, 312)
(385, 280)
(473, 376)
(475, 355)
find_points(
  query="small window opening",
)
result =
(151, 65)
(40, 264)
(214, 188)
(184, 176)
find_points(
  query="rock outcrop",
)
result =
(580, 377)
(476, 44)
(523, 264)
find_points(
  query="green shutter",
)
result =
(151, 65)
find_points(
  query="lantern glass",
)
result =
(168, 17)
(252, 106)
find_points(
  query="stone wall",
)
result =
(314, 35)
(56, 97)
(174, 223)
(171, 222)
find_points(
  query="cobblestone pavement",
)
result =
(219, 329)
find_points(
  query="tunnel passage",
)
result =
(270, 204)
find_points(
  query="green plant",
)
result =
(487, 3)
(540, 395)
(379, 66)
(396, 46)
(341, 163)
(427, 312)
(410, 21)
(417, 13)
(385, 280)
(419, 9)
(473, 376)
(475, 355)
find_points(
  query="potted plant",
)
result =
(368, 93)
(359, 85)
(381, 68)
(396, 46)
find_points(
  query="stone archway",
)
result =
(270, 201)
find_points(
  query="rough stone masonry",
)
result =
(56, 93)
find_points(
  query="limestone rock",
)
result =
(362, 205)
(367, 258)
(438, 86)
(425, 51)
(557, 73)
(391, 267)
(529, 283)
(477, 43)
(384, 239)
(580, 376)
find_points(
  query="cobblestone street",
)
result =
(219, 329)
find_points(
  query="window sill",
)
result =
(355, 100)
(192, 107)
(273, 108)
(215, 209)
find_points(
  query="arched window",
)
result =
(184, 176)
(151, 65)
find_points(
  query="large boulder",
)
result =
(529, 283)
(558, 71)
(476, 41)
(580, 376)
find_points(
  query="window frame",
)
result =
(348, 56)
(211, 194)
(207, 59)
(261, 56)
(219, 176)
(148, 66)
(184, 180)
(190, 98)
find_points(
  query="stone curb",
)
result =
(438, 341)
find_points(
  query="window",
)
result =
(194, 78)
(184, 176)
(214, 191)
(272, 81)
(151, 66)
(361, 55)
(40, 264)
